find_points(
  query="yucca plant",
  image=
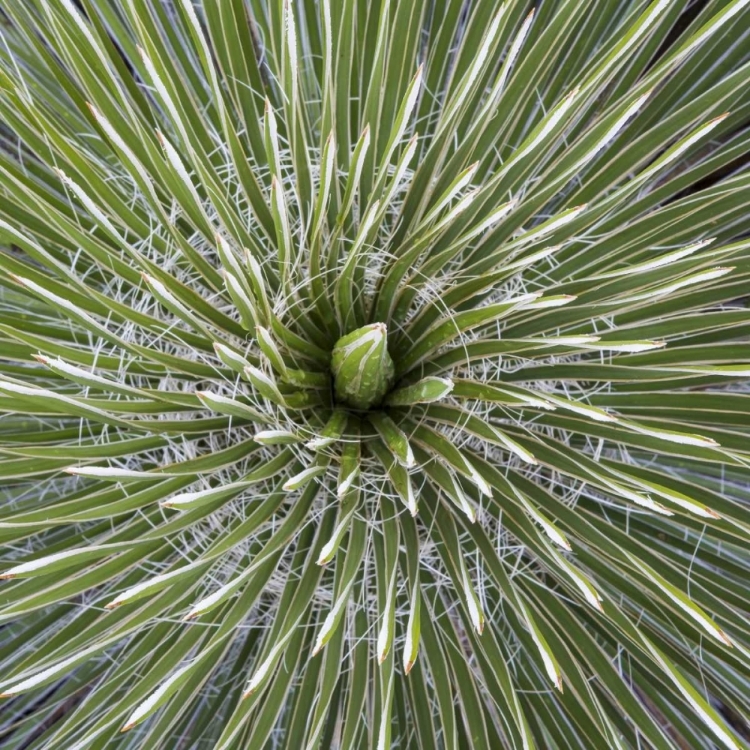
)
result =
(373, 374)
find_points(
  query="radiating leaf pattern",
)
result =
(373, 374)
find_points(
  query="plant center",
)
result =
(362, 368)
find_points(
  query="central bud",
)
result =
(362, 369)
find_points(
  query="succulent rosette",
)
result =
(374, 374)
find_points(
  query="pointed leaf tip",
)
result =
(425, 391)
